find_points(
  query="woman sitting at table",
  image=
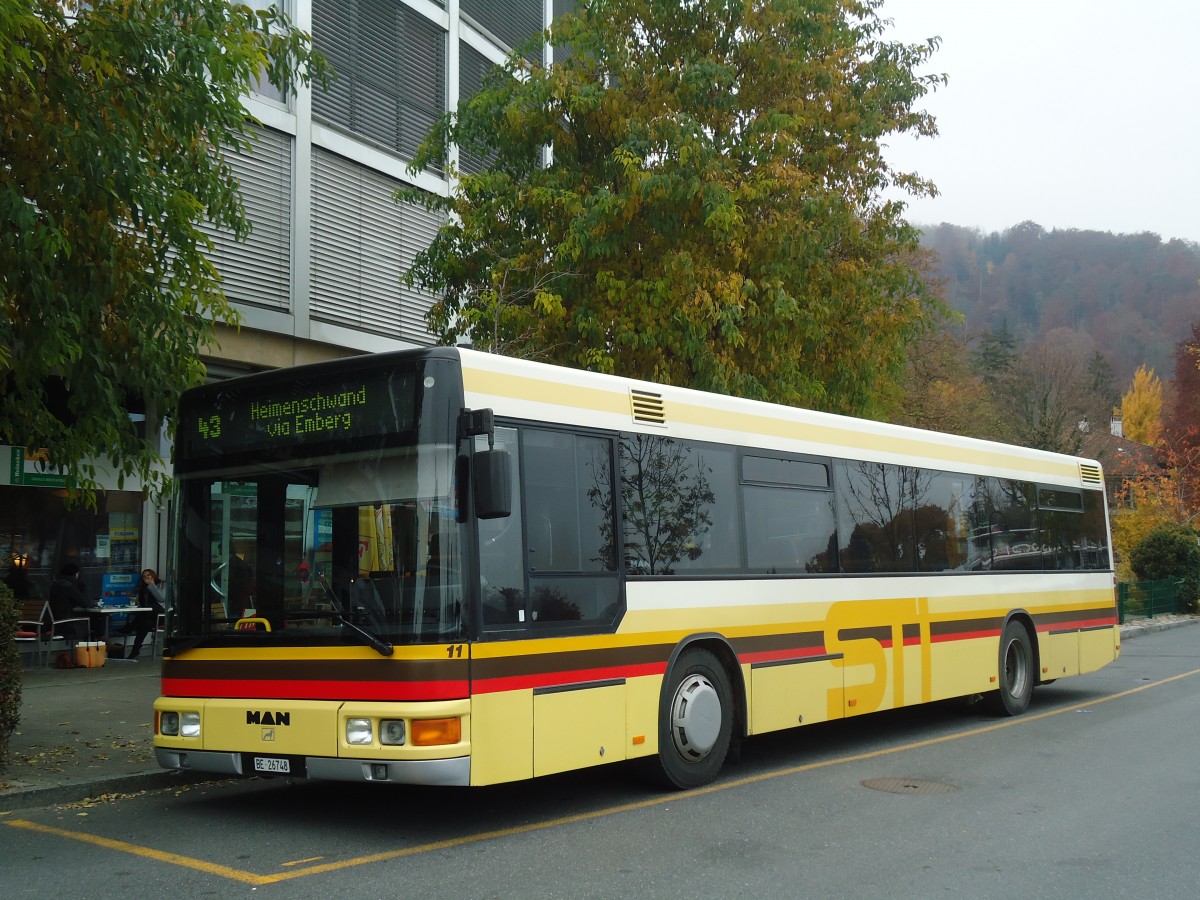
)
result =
(66, 599)
(151, 595)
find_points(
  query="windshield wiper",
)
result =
(382, 647)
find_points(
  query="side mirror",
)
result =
(491, 482)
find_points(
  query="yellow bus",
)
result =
(449, 567)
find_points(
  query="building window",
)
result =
(362, 244)
(39, 532)
(512, 22)
(257, 271)
(473, 68)
(389, 63)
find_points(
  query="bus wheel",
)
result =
(1016, 671)
(697, 722)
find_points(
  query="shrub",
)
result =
(10, 670)
(1170, 552)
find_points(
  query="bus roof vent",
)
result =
(648, 407)
(1090, 475)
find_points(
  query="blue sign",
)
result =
(118, 589)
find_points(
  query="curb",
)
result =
(1150, 626)
(18, 798)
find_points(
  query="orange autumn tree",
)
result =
(1182, 431)
(1141, 408)
(1153, 497)
(1169, 491)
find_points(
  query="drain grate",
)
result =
(918, 786)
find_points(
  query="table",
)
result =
(109, 611)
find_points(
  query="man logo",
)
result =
(267, 718)
(268, 734)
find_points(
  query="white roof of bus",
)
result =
(554, 394)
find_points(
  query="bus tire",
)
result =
(696, 720)
(1016, 671)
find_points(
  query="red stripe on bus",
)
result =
(963, 636)
(906, 642)
(1079, 623)
(788, 653)
(315, 690)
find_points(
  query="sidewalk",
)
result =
(85, 733)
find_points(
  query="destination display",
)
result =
(250, 417)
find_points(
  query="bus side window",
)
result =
(568, 490)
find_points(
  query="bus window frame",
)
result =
(528, 627)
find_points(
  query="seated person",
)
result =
(149, 594)
(67, 596)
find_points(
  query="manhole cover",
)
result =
(909, 786)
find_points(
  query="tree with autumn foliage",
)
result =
(942, 392)
(695, 194)
(1141, 408)
(1048, 392)
(1167, 493)
(1182, 431)
(117, 119)
(1150, 499)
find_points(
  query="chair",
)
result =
(37, 617)
(30, 630)
(54, 623)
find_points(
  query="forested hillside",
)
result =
(1136, 295)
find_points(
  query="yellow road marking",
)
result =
(187, 862)
(254, 879)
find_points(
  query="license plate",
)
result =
(272, 764)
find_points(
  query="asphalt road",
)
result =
(1092, 794)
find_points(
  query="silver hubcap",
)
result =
(1016, 668)
(695, 717)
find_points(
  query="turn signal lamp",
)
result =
(429, 732)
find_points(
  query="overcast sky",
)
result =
(1071, 113)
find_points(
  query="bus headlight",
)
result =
(358, 731)
(189, 724)
(168, 724)
(392, 732)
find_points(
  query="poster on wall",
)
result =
(123, 543)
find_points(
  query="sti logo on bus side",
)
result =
(268, 718)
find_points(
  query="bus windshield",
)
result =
(356, 538)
